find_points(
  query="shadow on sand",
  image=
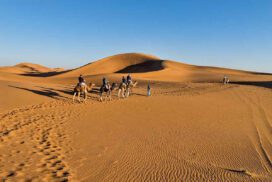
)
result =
(44, 92)
(264, 84)
(55, 93)
(47, 74)
(70, 91)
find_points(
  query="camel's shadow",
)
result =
(44, 92)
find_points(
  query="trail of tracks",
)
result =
(33, 145)
(32, 134)
(261, 125)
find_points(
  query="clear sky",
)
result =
(71, 33)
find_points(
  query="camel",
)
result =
(122, 89)
(130, 87)
(126, 89)
(84, 89)
(108, 91)
(225, 80)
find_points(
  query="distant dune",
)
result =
(23, 68)
(30, 69)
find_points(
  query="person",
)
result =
(129, 80)
(148, 90)
(124, 81)
(225, 79)
(105, 83)
(81, 80)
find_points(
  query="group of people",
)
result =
(127, 80)
(105, 82)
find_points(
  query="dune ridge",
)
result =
(30, 69)
(144, 66)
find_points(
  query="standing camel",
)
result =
(130, 87)
(107, 90)
(122, 90)
(225, 80)
(84, 89)
(126, 89)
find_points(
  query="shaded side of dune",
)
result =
(146, 66)
(44, 74)
(265, 84)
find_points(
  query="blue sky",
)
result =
(64, 33)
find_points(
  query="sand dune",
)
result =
(115, 64)
(149, 67)
(142, 66)
(192, 128)
(30, 69)
(23, 68)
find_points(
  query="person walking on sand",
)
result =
(225, 79)
(148, 90)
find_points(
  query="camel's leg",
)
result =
(127, 93)
(101, 97)
(78, 96)
(120, 91)
(110, 96)
(118, 94)
(85, 96)
(107, 96)
(74, 96)
(123, 92)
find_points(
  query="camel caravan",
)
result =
(125, 89)
(225, 80)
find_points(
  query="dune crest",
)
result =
(25, 67)
(148, 67)
(112, 64)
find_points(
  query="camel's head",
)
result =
(135, 83)
(90, 87)
(114, 86)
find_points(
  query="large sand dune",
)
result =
(28, 68)
(192, 128)
(153, 68)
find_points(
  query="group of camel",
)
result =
(226, 80)
(124, 90)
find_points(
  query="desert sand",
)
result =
(192, 128)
